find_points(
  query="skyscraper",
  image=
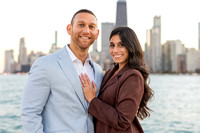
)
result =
(9, 60)
(121, 18)
(156, 42)
(154, 46)
(54, 47)
(95, 46)
(106, 29)
(22, 58)
(170, 52)
(199, 37)
(147, 54)
(192, 60)
(55, 39)
(95, 54)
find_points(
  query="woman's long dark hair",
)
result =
(136, 61)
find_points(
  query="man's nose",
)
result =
(86, 29)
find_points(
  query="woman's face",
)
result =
(118, 51)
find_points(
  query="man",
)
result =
(53, 100)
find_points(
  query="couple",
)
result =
(63, 95)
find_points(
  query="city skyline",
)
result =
(36, 21)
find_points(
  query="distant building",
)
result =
(192, 60)
(199, 36)
(166, 58)
(148, 49)
(156, 45)
(54, 47)
(25, 68)
(177, 49)
(198, 69)
(153, 47)
(22, 66)
(170, 52)
(95, 54)
(181, 63)
(22, 58)
(105, 58)
(146, 53)
(121, 18)
(33, 56)
(9, 61)
(106, 29)
(94, 46)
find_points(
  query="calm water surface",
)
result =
(176, 104)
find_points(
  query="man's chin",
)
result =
(85, 46)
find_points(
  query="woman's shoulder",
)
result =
(131, 72)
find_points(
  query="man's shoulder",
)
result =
(49, 57)
(46, 58)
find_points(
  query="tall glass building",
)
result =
(121, 18)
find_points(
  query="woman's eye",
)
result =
(121, 45)
(112, 45)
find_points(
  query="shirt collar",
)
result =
(74, 58)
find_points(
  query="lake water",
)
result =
(176, 104)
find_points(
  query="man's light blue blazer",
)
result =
(53, 100)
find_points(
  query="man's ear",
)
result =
(97, 34)
(69, 29)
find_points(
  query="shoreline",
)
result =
(5, 74)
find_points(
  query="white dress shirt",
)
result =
(80, 68)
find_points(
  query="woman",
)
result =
(124, 91)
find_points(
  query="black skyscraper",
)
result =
(121, 19)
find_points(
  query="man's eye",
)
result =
(92, 27)
(81, 25)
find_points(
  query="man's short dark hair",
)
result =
(82, 11)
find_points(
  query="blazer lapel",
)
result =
(107, 81)
(97, 77)
(66, 65)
